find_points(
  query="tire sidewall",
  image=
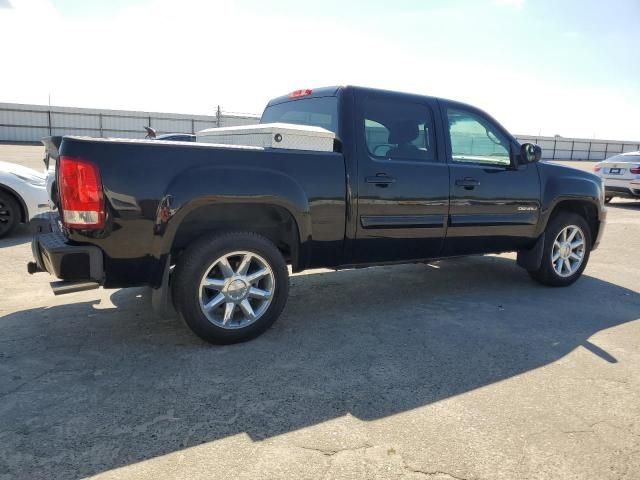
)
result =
(12, 205)
(198, 259)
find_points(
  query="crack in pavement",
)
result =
(332, 452)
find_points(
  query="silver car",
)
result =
(621, 175)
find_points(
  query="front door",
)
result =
(495, 203)
(403, 180)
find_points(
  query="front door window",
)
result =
(475, 140)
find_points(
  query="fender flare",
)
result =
(554, 193)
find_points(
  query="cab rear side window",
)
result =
(398, 130)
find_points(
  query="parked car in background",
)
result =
(621, 175)
(23, 194)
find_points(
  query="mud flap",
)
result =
(161, 297)
(532, 258)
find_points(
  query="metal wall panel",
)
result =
(630, 147)
(547, 144)
(88, 132)
(23, 134)
(72, 120)
(16, 117)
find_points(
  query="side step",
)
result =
(61, 287)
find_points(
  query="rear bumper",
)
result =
(633, 191)
(68, 262)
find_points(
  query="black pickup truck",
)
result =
(214, 227)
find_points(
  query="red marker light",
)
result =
(300, 93)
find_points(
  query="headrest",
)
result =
(403, 132)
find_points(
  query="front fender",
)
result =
(568, 184)
(193, 189)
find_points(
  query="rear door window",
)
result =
(398, 130)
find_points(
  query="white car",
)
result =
(621, 175)
(23, 194)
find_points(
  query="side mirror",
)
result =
(530, 153)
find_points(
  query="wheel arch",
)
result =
(272, 221)
(587, 209)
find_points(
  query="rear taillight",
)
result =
(81, 195)
(635, 170)
(597, 168)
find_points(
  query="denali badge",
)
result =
(527, 209)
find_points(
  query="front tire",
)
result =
(230, 287)
(567, 246)
(9, 214)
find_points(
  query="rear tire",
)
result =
(564, 258)
(607, 199)
(230, 287)
(9, 213)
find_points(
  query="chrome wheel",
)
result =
(236, 290)
(568, 251)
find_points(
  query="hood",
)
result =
(14, 168)
(567, 171)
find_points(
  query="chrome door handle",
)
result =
(468, 183)
(380, 179)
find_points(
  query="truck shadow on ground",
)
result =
(625, 204)
(20, 235)
(85, 390)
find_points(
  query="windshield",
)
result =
(318, 112)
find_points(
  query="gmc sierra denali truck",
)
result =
(214, 227)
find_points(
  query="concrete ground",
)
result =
(462, 369)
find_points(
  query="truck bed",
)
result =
(154, 190)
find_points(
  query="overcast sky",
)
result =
(547, 66)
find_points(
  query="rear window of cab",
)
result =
(316, 111)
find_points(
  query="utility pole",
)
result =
(218, 115)
(49, 116)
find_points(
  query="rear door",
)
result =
(403, 178)
(495, 204)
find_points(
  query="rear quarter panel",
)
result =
(141, 176)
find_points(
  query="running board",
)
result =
(61, 287)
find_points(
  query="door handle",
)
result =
(467, 182)
(381, 179)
